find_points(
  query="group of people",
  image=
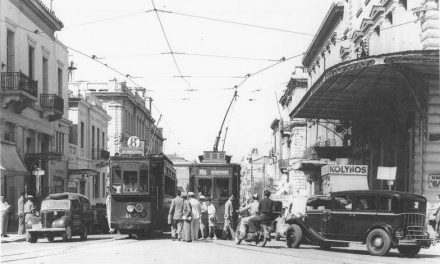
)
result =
(188, 215)
(25, 208)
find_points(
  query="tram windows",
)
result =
(222, 187)
(130, 181)
(116, 180)
(143, 180)
(205, 187)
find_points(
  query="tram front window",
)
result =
(116, 180)
(131, 181)
(222, 187)
(205, 187)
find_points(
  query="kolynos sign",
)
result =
(344, 177)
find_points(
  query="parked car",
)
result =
(61, 215)
(380, 219)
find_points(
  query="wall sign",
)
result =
(345, 169)
(434, 181)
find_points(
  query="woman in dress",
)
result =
(187, 216)
(212, 218)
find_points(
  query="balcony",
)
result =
(100, 154)
(18, 91)
(53, 106)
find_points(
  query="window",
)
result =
(318, 204)
(205, 187)
(60, 82)
(377, 30)
(366, 203)
(144, 178)
(404, 3)
(103, 184)
(82, 134)
(103, 140)
(45, 75)
(343, 202)
(9, 133)
(96, 186)
(387, 204)
(93, 137)
(10, 51)
(389, 17)
(73, 134)
(31, 58)
(116, 179)
(97, 138)
(221, 187)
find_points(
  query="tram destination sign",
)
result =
(134, 146)
(213, 172)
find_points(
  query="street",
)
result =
(121, 249)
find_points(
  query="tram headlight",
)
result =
(139, 208)
(130, 208)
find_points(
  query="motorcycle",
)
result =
(261, 235)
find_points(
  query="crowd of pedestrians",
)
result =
(25, 208)
(188, 215)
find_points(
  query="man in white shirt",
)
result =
(4, 214)
(253, 210)
(196, 211)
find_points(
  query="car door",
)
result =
(339, 224)
(316, 214)
(363, 215)
(76, 215)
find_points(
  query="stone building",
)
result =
(33, 117)
(182, 167)
(88, 152)
(374, 66)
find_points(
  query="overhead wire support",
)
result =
(217, 139)
(168, 43)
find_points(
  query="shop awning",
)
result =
(372, 87)
(11, 163)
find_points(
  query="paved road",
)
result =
(119, 249)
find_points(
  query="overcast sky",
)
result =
(131, 40)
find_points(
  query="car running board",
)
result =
(317, 237)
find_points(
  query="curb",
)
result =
(21, 239)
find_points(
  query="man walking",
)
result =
(187, 216)
(196, 208)
(4, 216)
(29, 208)
(229, 210)
(175, 217)
(204, 218)
(20, 213)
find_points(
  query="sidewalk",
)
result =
(13, 238)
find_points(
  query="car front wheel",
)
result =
(67, 234)
(31, 238)
(294, 236)
(378, 242)
(50, 238)
(409, 251)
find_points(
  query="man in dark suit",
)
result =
(175, 217)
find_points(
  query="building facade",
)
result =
(374, 67)
(33, 117)
(182, 167)
(88, 146)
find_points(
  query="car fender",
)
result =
(61, 222)
(308, 232)
(32, 221)
(387, 227)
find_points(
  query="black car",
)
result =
(380, 219)
(61, 214)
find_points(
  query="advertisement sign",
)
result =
(361, 170)
(434, 181)
(386, 173)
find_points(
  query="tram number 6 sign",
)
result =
(133, 142)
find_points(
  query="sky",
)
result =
(127, 35)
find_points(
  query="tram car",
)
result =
(216, 177)
(141, 187)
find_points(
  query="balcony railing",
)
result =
(52, 102)
(100, 154)
(19, 82)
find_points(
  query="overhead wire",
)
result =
(235, 22)
(107, 19)
(168, 44)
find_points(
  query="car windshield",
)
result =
(418, 206)
(55, 205)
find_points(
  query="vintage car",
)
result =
(380, 219)
(61, 214)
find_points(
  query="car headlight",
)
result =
(130, 208)
(139, 208)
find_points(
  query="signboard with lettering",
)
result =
(345, 170)
(134, 147)
(434, 181)
(213, 172)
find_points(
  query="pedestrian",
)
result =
(253, 210)
(108, 209)
(29, 208)
(4, 216)
(20, 213)
(187, 216)
(229, 211)
(196, 209)
(175, 216)
(212, 219)
(204, 218)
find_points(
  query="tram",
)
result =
(216, 177)
(141, 189)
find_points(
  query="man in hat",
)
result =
(253, 210)
(175, 216)
(20, 213)
(29, 208)
(196, 209)
(4, 216)
(229, 210)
